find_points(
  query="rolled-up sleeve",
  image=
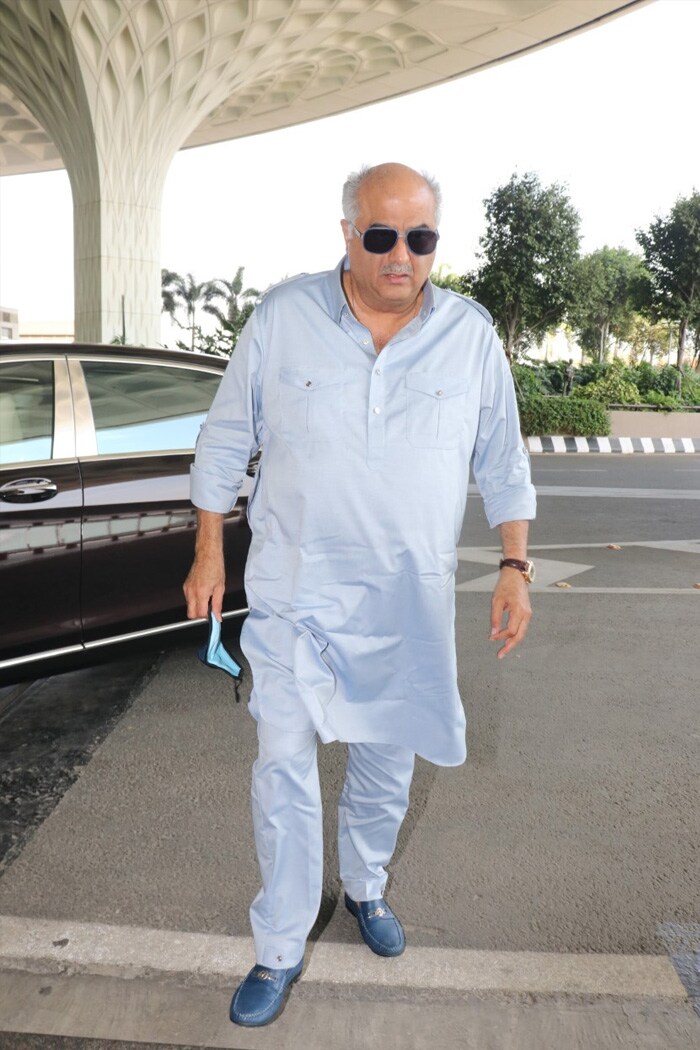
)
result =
(232, 431)
(500, 461)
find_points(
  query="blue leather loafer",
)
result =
(261, 996)
(381, 930)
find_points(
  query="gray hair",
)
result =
(356, 179)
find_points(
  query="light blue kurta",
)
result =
(358, 506)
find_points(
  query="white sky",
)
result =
(611, 113)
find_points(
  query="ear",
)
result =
(347, 231)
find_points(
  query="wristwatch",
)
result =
(526, 568)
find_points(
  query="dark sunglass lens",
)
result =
(422, 242)
(378, 240)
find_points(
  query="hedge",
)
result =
(562, 415)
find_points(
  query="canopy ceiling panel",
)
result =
(247, 66)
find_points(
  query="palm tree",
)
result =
(185, 292)
(237, 301)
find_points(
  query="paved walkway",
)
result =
(548, 887)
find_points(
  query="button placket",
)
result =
(357, 332)
(376, 415)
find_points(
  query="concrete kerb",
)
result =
(43, 946)
(622, 445)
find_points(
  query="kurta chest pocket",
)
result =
(311, 403)
(436, 409)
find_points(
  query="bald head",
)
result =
(389, 179)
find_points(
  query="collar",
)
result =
(339, 303)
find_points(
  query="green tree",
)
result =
(239, 304)
(186, 293)
(222, 342)
(647, 337)
(529, 251)
(696, 346)
(671, 247)
(452, 281)
(608, 288)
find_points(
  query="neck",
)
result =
(372, 317)
(382, 324)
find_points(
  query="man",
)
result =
(370, 392)
(569, 373)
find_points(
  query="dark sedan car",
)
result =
(96, 527)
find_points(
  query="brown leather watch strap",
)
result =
(526, 568)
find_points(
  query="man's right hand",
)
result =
(206, 580)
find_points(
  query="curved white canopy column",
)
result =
(148, 85)
(40, 65)
(119, 87)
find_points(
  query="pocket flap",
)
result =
(312, 378)
(437, 386)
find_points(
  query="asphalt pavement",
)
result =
(548, 887)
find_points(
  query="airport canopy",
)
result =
(112, 89)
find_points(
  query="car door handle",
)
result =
(28, 490)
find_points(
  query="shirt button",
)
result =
(377, 371)
(376, 410)
(307, 383)
(365, 342)
(438, 393)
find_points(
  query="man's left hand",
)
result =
(510, 599)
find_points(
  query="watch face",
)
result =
(530, 571)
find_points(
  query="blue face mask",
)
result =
(214, 654)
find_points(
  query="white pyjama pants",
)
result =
(288, 827)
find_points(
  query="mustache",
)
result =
(398, 268)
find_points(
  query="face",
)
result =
(391, 282)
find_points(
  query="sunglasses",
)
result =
(379, 240)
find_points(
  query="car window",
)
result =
(147, 408)
(26, 411)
